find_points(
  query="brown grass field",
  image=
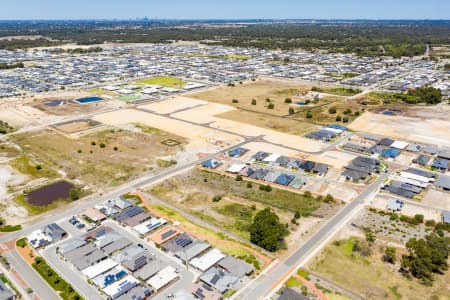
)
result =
(124, 156)
(371, 277)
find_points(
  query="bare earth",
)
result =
(429, 131)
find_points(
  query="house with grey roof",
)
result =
(55, 232)
(219, 279)
(194, 249)
(446, 217)
(5, 292)
(443, 182)
(235, 266)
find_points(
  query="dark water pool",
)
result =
(50, 193)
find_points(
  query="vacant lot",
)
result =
(370, 277)
(329, 110)
(166, 81)
(199, 188)
(422, 130)
(65, 105)
(295, 127)
(100, 159)
(264, 92)
(76, 126)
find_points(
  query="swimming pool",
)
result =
(88, 100)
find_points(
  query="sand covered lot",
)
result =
(208, 114)
(197, 135)
(410, 210)
(438, 199)
(172, 105)
(429, 131)
(334, 158)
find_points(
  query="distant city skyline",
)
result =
(231, 9)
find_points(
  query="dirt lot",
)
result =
(64, 105)
(76, 126)
(99, 159)
(422, 130)
(276, 90)
(370, 276)
(270, 122)
(438, 199)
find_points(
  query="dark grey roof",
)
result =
(422, 160)
(136, 293)
(290, 294)
(54, 231)
(236, 266)
(178, 243)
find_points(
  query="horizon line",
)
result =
(227, 19)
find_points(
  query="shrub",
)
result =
(271, 106)
(288, 100)
(216, 198)
(238, 178)
(253, 101)
(249, 185)
(332, 110)
(291, 110)
(93, 143)
(102, 145)
(345, 119)
(338, 118)
(309, 115)
(235, 101)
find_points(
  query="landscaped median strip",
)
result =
(64, 289)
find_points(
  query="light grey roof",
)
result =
(236, 266)
(443, 182)
(446, 216)
(70, 245)
(136, 293)
(196, 248)
(107, 238)
(5, 292)
(272, 176)
(128, 253)
(152, 267)
(116, 245)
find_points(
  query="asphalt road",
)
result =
(37, 283)
(263, 285)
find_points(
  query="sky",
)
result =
(221, 9)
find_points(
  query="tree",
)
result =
(235, 101)
(338, 118)
(390, 254)
(102, 145)
(271, 106)
(288, 100)
(75, 193)
(266, 231)
(253, 101)
(291, 110)
(426, 256)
